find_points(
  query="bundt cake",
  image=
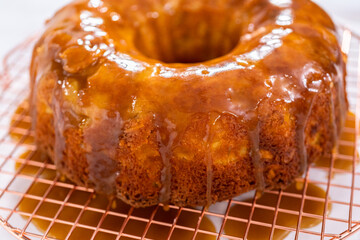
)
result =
(187, 102)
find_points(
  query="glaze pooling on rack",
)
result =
(130, 80)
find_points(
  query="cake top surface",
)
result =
(194, 57)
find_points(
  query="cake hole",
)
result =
(189, 35)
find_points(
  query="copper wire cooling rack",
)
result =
(35, 203)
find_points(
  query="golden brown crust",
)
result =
(115, 114)
(230, 177)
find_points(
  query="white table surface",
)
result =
(21, 18)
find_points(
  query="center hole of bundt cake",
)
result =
(189, 35)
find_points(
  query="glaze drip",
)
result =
(59, 126)
(101, 138)
(300, 141)
(254, 136)
(209, 170)
(212, 119)
(166, 154)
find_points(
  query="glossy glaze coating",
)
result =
(155, 100)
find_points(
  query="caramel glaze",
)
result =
(155, 101)
(92, 218)
(238, 228)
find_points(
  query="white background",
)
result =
(21, 18)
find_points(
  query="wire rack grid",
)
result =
(36, 203)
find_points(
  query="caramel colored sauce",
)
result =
(91, 218)
(233, 228)
(114, 70)
(237, 229)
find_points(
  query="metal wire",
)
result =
(93, 217)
